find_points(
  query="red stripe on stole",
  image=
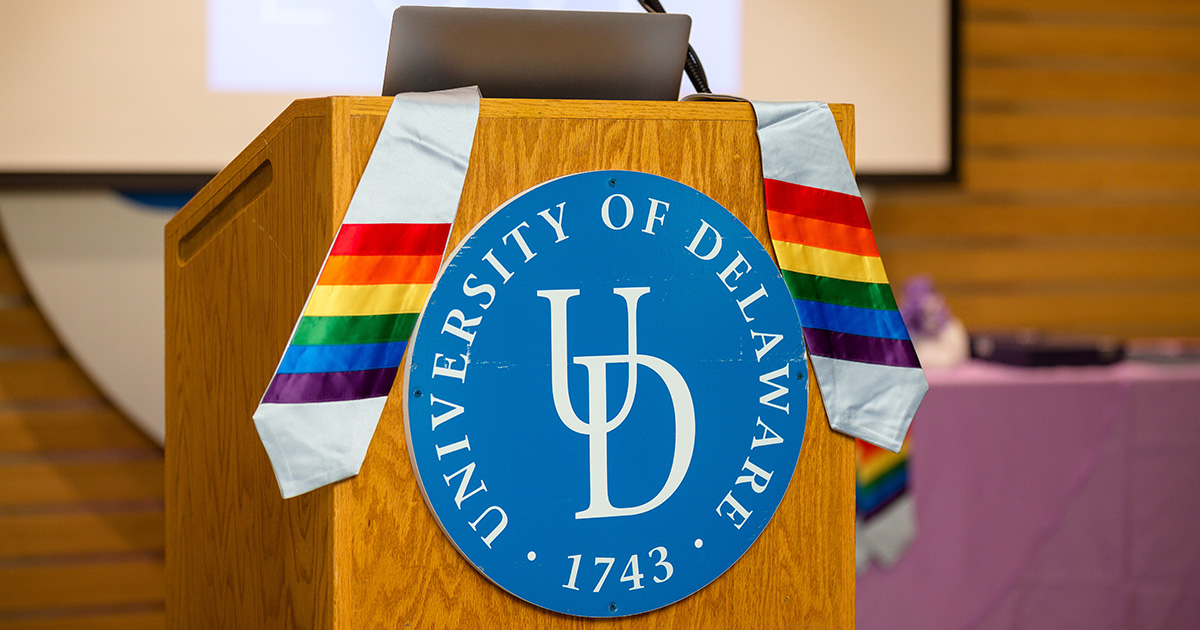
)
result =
(815, 203)
(390, 239)
(838, 237)
(868, 452)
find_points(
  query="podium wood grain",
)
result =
(366, 552)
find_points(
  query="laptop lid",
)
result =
(511, 53)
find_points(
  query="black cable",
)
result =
(695, 72)
(691, 65)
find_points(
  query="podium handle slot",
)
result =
(224, 212)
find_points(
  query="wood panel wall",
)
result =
(81, 489)
(1079, 204)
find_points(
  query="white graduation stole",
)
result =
(319, 412)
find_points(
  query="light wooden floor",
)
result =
(81, 489)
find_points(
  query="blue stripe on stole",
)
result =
(870, 498)
(345, 358)
(867, 322)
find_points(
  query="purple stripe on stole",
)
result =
(330, 386)
(850, 347)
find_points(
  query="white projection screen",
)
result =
(172, 90)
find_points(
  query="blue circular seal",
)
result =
(606, 393)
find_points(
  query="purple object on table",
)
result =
(923, 309)
(1050, 498)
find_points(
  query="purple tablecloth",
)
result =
(1050, 498)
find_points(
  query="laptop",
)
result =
(511, 53)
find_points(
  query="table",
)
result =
(1050, 498)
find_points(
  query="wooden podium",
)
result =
(367, 552)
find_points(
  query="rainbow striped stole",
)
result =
(881, 478)
(320, 409)
(885, 516)
(862, 358)
(350, 340)
(829, 259)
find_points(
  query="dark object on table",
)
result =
(1033, 349)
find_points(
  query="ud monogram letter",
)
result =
(599, 425)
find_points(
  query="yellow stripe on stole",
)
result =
(366, 299)
(825, 262)
(880, 463)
